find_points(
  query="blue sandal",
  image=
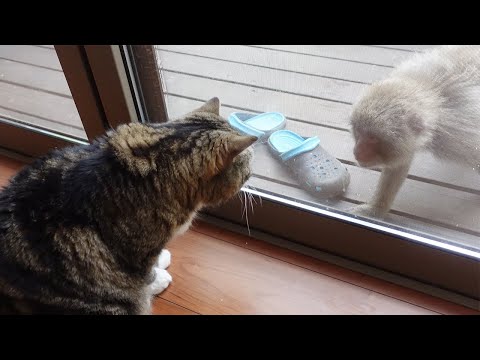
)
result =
(261, 126)
(316, 170)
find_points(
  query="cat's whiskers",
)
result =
(241, 202)
(250, 200)
(253, 197)
(246, 212)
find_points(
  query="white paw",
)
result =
(367, 210)
(161, 282)
(164, 259)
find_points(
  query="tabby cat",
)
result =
(83, 229)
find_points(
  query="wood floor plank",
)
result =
(409, 47)
(37, 95)
(415, 297)
(35, 77)
(316, 111)
(29, 119)
(352, 277)
(32, 55)
(44, 109)
(277, 252)
(361, 53)
(164, 307)
(334, 68)
(272, 79)
(214, 277)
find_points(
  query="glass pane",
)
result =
(315, 88)
(34, 91)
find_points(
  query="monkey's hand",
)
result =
(367, 210)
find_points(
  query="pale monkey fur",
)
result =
(429, 102)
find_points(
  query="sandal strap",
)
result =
(308, 145)
(242, 126)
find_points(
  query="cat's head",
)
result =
(200, 156)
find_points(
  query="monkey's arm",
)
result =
(390, 182)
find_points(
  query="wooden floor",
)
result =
(218, 272)
(314, 86)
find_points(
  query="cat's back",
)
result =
(46, 241)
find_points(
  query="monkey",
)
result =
(429, 102)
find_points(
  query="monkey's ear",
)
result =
(416, 124)
(211, 106)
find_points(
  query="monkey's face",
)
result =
(370, 149)
(384, 126)
(375, 147)
(367, 150)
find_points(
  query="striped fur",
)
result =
(81, 228)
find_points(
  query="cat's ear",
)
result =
(232, 145)
(211, 106)
(237, 143)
